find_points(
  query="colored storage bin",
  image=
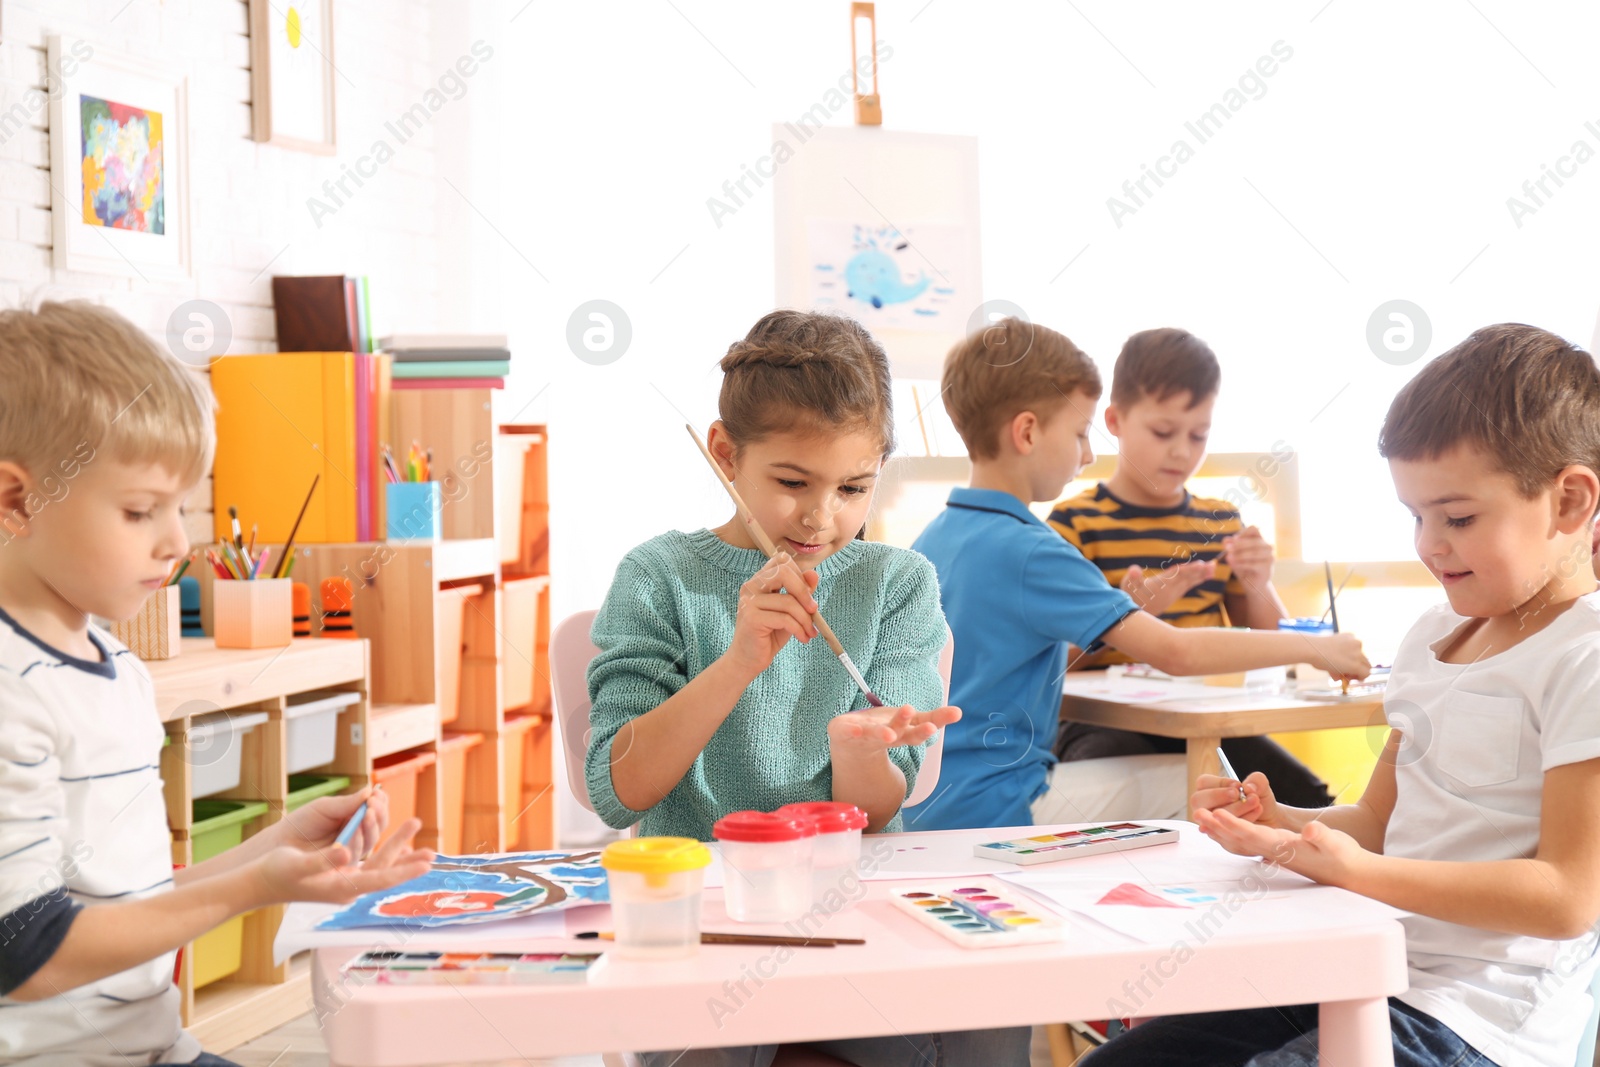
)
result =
(304, 788)
(519, 628)
(449, 625)
(398, 775)
(311, 721)
(219, 826)
(453, 749)
(216, 746)
(514, 735)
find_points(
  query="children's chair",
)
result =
(571, 649)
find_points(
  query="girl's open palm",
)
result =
(875, 729)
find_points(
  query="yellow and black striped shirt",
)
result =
(1114, 535)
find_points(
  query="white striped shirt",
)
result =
(82, 821)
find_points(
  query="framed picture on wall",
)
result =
(291, 73)
(119, 164)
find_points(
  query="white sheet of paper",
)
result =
(892, 859)
(1265, 901)
(1117, 689)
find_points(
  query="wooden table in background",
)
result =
(1204, 721)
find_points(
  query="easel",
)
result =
(869, 109)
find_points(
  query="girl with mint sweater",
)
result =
(712, 692)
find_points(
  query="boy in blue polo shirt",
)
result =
(1015, 594)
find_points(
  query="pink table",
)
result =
(907, 979)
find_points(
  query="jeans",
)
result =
(966, 1048)
(1274, 1037)
(1293, 783)
(206, 1059)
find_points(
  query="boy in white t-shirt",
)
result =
(102, 436)
(1482, 818)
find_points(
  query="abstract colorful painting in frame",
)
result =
(121, 156)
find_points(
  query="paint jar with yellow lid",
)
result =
(655, 885)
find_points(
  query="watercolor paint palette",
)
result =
(979, 914)
(1071, 844)
(471, 968)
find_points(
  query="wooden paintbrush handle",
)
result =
(758, 534)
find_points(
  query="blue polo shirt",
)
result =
(1014, 592)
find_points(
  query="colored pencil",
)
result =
(771, 549)
(288, 546)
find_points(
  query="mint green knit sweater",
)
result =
(670, 614)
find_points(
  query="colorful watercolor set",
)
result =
(1071, 844)
(471, 968)
(979, 914)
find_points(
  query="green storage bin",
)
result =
(304, 788)
(218, 826)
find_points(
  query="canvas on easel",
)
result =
(881, 225)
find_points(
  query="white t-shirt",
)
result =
(81, 807)
(1478, 739)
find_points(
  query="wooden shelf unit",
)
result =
(524, 537)
(495, 522)
(204, 679)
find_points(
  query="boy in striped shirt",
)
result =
(102, 437)
(1189, 560)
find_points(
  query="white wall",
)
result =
(1388, 144)
(248, 200)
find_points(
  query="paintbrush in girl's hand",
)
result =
(771, 550)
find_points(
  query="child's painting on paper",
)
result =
(882, 276)
(478, 889)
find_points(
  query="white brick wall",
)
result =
(248, 200)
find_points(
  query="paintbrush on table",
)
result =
(1333, 610)
(765, 542)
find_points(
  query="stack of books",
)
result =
(448, 360)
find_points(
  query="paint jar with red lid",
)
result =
(766, 860)
(835, 881)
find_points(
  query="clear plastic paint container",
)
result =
(1308, 675)
(766, 859)
(655, 885)
(835, 879)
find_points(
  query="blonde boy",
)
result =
(102, 436)
(1016, 594)
(1479, 819)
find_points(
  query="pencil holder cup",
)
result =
(1308, 675)
(414, 511)
(655, 885)
(252, 614)
(189, 603)
(154, 632)
(302, 609)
